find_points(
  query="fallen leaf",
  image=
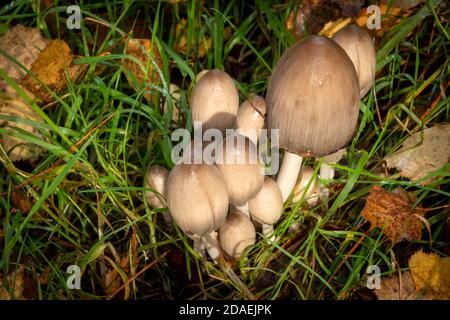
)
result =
(22, 44)
(148, 55)
(390, 212)
(49, 69)
(21, 201)
(431, 274)
(397, 287)
(416, 158)
(16, 147)
(14, 286)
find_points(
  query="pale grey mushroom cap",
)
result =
(215, 100)
(266, 207)
(197, 198)
(313, 188)
(251, 114)
(359, 47)
(313, 98)
(241, 168)
(156, 178)
(236, 234)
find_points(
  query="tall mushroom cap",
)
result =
(240, 166)
(197, 198)
(359, 47)
(236, 234)
(156, 178)
(313, 97)
(266, 207)
(215, 100)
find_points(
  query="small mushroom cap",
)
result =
(240, 166)
(215, 101)
(236, 234)
(313, 97)
(266, 207)
(197, 198)
(359, 47)
(306, 176)
(251, 114)
(156, 178)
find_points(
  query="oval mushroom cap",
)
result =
(313, 97)
(250, 118)
(236, 234)
(197, 198)
(306, 176)
(359, 47)
(156, 178)
(238, 161)
(266, 207)
(215, 100)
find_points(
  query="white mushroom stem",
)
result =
(212, 245)
(326, 172)
(244, 209)
(267, 230)
(287, 176)
(199, 247)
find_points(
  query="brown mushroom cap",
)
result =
(251, 114)
(266, 207)
(156, 178)
(306, 176)
(313, 97)
(359, 47)
(236, 234)
(242, 170)
(215, 100)
(197, 198)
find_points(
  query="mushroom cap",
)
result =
(215, 100)
(197, 198)
(240, 167)
(156, 178)
(313, 97)
(266, 207)
(251, 114)
(236, 234)
(359, 47)
(305, 176)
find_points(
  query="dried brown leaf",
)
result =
(391, 212)
(397, 287)
(22, 44)
(17, 148)
(431, 274)
(416, 158)
(21, 201)
(49, 68)
(148, 55)
(14, 286)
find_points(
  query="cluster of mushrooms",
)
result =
(312, 99)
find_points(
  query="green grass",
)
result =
(87, 202)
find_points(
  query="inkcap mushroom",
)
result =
(236, 234)
(313, 100)
(197, 198)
